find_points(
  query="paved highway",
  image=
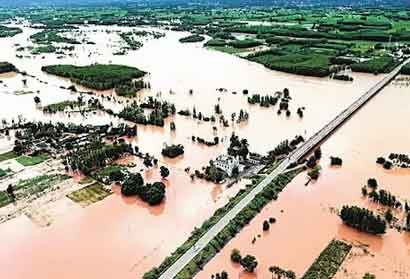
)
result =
(297, 154)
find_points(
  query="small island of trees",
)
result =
(133, 185)
(97, 76)
(6, 67)
(362, 219)
(173, 151)
(192, 39)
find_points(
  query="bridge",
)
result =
(295, 156)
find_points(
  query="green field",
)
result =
(8, 155)
(29, 187)
(31, 160)
(90, 194)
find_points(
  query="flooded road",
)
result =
(123, 238)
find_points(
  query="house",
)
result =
(227, 163)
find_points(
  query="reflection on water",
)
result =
(122, 237)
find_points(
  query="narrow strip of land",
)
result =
(295, 156)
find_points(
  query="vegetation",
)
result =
(164, 172)
(362, 219)
(238, 147)
(97, 76)
(282, 273)
(375, 65)
(133, 185)
(131, 42)
(47, 37)
(335, 161)
(43, 49)
(192, 39)
(317, 65)
(8, 155)
(32, 160)
(96, 155)
(160, 111)
(6, 31)
(89, 194)
(6, 67)
(247, 43)
(236, 256)
(29, 187)
(173, 151)
(109, 174)
(249, 263)
(329, 261)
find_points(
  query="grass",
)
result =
(8, 155)
(2, 173)
(329, 261)
(227, 49)
(90, 194)
(32, 160)
(32, 186)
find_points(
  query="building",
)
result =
(227, 163)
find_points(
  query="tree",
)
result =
(133, 185)
(388, 216)
(364, 191)
(10, 191)
(265, 226)
(372, 183)
(249, 263)
(318, 153)
(153, 194)
(116, 175)
(37, 100)
(236, 256)
(147, 162)
(164, 171)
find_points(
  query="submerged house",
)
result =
(227, 163)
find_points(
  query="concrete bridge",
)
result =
(295, 156)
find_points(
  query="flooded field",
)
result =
(123, 237)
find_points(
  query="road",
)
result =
(295, 156)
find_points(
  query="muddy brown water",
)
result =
(123, 237)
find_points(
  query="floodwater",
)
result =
(123, 238)
(309, 221)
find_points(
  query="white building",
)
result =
(227, 163)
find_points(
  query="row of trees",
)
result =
(96, 155)
(362, 219)
(279, 273)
